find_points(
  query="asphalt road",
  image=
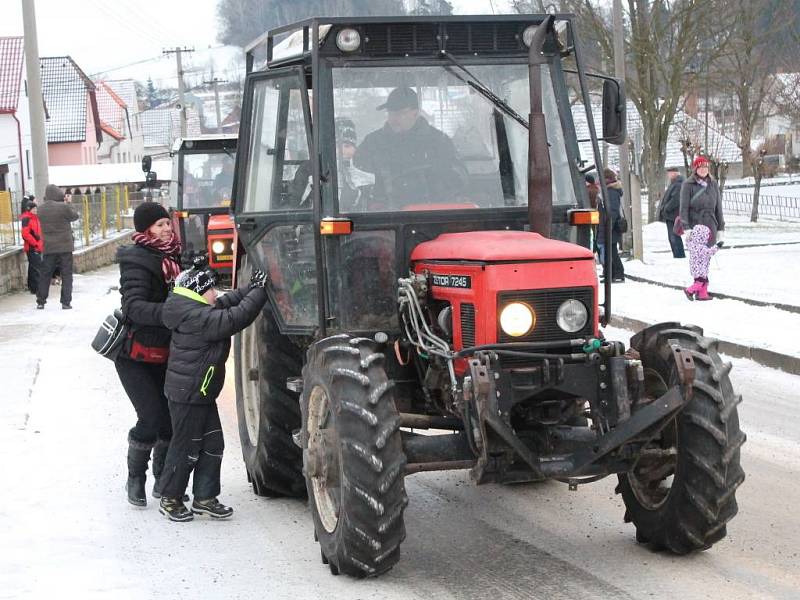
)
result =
(66, 530)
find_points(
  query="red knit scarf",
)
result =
(171, 249)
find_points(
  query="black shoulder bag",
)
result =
(111, 336)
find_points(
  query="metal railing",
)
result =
(770, 208)
(101, 214)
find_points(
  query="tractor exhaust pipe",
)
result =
(540, 187)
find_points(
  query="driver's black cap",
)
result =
(400, 98)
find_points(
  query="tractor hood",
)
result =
(498, 246)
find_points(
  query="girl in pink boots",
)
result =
(699, 259)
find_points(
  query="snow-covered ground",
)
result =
(768, 273)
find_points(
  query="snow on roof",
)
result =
(65, 88)
(107, 174)
(162, 125)
(126, 90)
(683, 126)
(113, 111)
(11, 60)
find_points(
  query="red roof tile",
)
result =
(11, 60)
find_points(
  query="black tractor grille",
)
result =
(456, 38)
(545, 304)
(468, 324)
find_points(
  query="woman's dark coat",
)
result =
(703, 209)
(614, 206)
(143, 289)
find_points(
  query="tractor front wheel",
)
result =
(681, 492)
(353, 458)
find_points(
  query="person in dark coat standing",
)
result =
(147, 270)
(56, 215)
(701, 201)
(613, 210)
(668, 209)
(202, 325)
(32, 238)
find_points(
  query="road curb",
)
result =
(721, 296)
(768, 358)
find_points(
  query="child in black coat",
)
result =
(202, 325)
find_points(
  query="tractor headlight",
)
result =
(218, 247)
(572, 316)
(517, 319)
(348, 40)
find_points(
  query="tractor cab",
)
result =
(202, 181)
(414, 189)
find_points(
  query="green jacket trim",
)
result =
(187, 293)
(207, 379)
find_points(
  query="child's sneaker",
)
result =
(212, 507)
(175, 510)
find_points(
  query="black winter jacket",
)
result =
(670, 204)
(143, 289)
(614, 206)
(201, 340)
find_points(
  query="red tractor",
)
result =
(428, 249)
(202, 178)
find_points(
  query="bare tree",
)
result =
(746, 70)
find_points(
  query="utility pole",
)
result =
(215, 82)
(635, 212)
(177, 51)
(35, 101)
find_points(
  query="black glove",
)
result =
(258, 279)
(200, 261)
(720, 244)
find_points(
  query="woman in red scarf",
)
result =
(147, 270)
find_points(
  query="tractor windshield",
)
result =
(423, 138)
(207, 179)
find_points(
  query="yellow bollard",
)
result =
(103, 213)
(119, 214)
(86, 225)
(127, 200)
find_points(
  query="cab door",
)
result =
(273, 199)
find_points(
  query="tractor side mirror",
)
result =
(614, 112)
(147, 162)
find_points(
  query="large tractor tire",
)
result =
(267, 411)
(354, 460)
(681, 493)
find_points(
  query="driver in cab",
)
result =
(413, 162)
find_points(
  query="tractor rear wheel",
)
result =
(681, 492)
(267, 411)
(353, 457)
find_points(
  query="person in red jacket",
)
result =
(32, 237)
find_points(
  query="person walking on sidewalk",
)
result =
(613, 211)
(668, 209)
(147, 269)
(32, 238)
(699, 259)
(701, 202)
(202, 325)
(56, 215)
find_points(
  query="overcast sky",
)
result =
(102, 35)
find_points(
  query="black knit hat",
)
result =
(400, 98)
(197, 280)
(146, 214)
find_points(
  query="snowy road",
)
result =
(67, 532)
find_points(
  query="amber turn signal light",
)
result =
(330, 226)
(584, 216)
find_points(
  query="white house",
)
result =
(120, 144)
(16, 162)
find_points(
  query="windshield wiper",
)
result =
(484, 91)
